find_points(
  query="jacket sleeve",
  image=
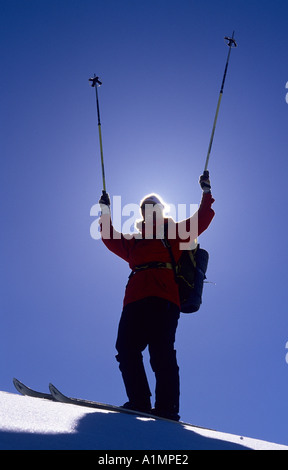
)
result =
(189, 229)
(114, 240)
(205, 212)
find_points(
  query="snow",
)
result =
(37, 424)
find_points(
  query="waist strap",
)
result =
(152, 265)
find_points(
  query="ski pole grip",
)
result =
(105, 198)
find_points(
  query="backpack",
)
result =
(190, 273)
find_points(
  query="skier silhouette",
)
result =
(151, 306)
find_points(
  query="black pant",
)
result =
(151, 321)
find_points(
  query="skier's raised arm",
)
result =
(190, 229)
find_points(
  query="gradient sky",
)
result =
(161, 63)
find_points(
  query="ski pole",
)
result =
(95, 83)
(231, 43)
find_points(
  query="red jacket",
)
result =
(154, 281)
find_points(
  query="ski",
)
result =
(59, 396)
(29, 392)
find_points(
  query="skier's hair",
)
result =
(151, 198)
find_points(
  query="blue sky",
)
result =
(161, 63)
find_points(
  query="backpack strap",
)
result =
(167, 245)
(191, 254)
(192, 257)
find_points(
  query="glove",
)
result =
(104, 202)
(204, 182)
(104, 199)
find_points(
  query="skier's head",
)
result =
(152, 210)
(152, 203)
